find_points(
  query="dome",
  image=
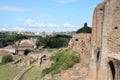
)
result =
(26, 42)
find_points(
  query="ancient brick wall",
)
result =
(110, 37)
(97, 25)
(80, 43)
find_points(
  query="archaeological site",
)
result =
(100, 51)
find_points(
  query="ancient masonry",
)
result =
(81, 44)
(105, 44)
(24, 44)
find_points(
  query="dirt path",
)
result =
(19, 75)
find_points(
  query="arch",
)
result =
(26, 52)
(112, 69)
(98, 55)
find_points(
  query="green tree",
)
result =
(15, 37)
(56, 41)
(7, 58)
(84, 29)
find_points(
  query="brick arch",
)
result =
(112, 69)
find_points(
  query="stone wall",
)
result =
(110, 36)
(106, 23)
(80, 43)
(97, 25)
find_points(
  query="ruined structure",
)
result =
(22, 45)
(81, 44)
(105, 44)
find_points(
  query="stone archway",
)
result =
(112, 69)
(26, 51)
(25, 46)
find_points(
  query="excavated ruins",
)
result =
(104, 53)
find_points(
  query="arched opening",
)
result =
(27, 51)
(98, 55)
(112, 68)
(76, 39)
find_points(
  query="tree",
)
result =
(84, 29)
(56, 41)
(7, 58)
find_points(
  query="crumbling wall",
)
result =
(110, 37)
(81, 43)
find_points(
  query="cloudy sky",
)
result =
(46, 15)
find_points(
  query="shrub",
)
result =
(7, 58)
(63, 59)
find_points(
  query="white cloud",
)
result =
(65, 1)
(32, 23)
(2, 29)
(29, 22)
(12, 8)
(52, 25)
(68, 25)
(18, 29)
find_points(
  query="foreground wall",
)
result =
(105, 44)
(110, 39)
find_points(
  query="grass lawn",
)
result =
(32, 74)
(8, 72)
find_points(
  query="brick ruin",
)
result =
(105, 45)
(104, 62)
(24, 44)
(81, 44)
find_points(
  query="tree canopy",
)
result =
(84, 29)
(56, 41)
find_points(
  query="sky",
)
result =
(46, 15)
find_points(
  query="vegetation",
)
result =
(7, 58)
(56, 41)
(63, 59)
(15, 37)
(32, 74)
(84, 29)
(11, 38)
(8, 72)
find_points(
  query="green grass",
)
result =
(8, 72)
(48, 49)
(32, 74)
